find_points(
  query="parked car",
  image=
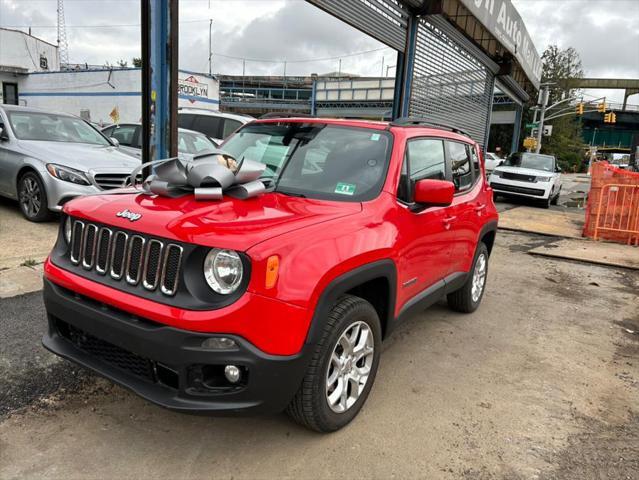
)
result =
(528, 175)
(492, 161)
(215, 125)
(280, 301)
(48, 158)
(128, 137)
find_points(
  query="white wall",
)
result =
(100, 91)
(22, 51)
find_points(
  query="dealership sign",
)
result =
(192, 87)
(502, 20)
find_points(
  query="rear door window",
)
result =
(209, 125)
(124, 134)
(230, 126)
(460, 165)
(185, 120)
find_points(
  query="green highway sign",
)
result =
(532, 125)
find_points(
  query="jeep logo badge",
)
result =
(130, 215)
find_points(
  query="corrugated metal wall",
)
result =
(384, 20)
(450, 85)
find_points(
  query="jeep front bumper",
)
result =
(166, 365)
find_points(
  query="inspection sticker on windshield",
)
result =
(345, 188)
(375, 137)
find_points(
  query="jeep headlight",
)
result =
(544, 179)
(223, 270)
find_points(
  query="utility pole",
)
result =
(339, 68)
(210, 47)
(542, 113)
(382, 74)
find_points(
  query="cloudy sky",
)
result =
(267, 32)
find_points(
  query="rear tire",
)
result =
(468, 297)
(320, 404)
(32, 198)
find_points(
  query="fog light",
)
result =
(232, 373)
(219, 343)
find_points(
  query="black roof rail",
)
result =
(419, 121)
(286, 115)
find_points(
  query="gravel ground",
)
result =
(542, 382)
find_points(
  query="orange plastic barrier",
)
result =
(612, 212)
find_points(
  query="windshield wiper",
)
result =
(290, 194)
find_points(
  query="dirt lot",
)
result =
(541, 382)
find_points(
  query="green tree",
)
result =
(565, 142)
(137, 62)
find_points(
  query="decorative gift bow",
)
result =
(204, 176)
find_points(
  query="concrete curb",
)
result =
(20, 280)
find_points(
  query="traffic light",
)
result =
(601, 107)
(580, 108)
(610, 117)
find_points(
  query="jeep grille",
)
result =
(149, 262)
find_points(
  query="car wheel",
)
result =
(342, 370)
(32, 198)
(555, 199)
(468, 297)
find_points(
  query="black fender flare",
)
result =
(379, 269)
(487, 228)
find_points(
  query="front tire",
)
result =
(468, 297)
(32, 198)
(343, 367)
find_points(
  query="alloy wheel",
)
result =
(30, 197)
(479, 277)
(349, 367)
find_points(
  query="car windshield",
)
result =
(531, 160)
(194, 143)
(316, 160)
(54, 128)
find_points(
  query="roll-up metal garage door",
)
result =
(384, 20)
(450, 84)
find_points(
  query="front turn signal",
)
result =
(272, 271)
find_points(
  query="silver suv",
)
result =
(49, 158)
(215, 125)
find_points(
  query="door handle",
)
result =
(479, 208)
(448, 220)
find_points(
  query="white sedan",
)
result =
(528, 175)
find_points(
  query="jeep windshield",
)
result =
(314, 160)
(533, 161)
(54, 128)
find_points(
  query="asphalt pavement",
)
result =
(541, 382)
(28, 372)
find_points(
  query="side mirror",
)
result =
(3, 133)
(431, 193)
(115, 141)
(558, 169)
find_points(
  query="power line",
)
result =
(307, 60)
(91, 26)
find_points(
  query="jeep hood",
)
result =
(228, 223)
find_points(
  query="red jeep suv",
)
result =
(280, 301)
